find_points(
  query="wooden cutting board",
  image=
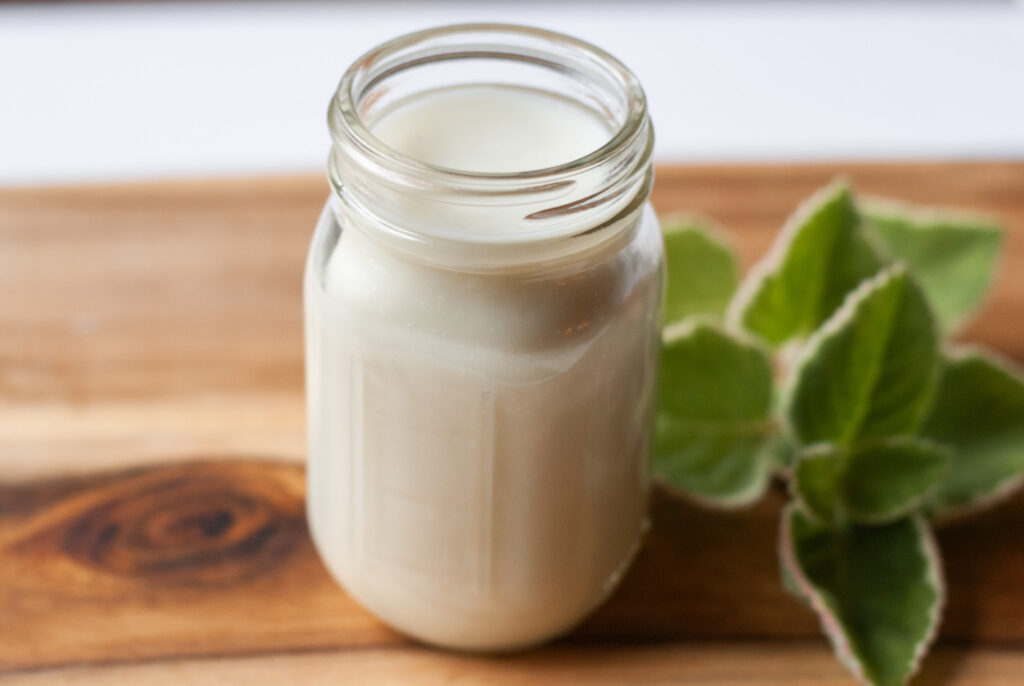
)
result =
(152, 435)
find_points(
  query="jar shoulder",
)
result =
(359, 281)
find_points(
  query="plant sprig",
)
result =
(876, 423)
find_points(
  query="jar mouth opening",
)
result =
(541, 48)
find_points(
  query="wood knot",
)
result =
(200, 524)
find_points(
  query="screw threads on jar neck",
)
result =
(435, 213)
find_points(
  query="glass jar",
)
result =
(481, 351)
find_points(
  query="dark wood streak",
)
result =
(188, 529)
(198, 558)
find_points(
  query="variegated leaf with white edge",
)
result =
(870, 370)
(873, 482)
(978, 411)
(701, 272)
(820, 255)
(877, 590)
(953, 255)
(713, 420)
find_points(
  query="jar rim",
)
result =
(346, 124)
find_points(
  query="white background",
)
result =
(153, 90)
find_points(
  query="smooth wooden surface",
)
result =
(713, 664)
(151, 439)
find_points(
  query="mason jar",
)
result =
(481, 339)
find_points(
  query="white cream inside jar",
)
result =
(480, 363)
(491, 129)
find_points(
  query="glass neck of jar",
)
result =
(443, 216)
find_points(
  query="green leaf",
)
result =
(713, 421)
(870, 371)
(872, 483)
(783, 451)
(702, 272)
(816, 260)
(889, 479)
(979, 411)
(815, 482)
(953, 257)
(877, 590)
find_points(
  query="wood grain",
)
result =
(707, 664)
(130, 313)
(149, 289)
(213, 558)
(152, 432)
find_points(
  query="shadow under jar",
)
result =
(483, 305)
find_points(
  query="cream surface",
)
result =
(491, 129)
(477, 455)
